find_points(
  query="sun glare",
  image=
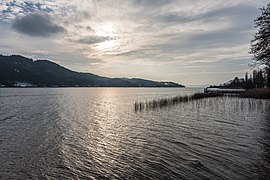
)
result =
(109, 32)
(105, 30)
(107, 45)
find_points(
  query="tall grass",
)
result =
(263, 93)
(160, 103)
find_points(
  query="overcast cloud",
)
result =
(198, 42)
(36, 25)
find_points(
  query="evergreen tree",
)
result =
(260, 79)
(246, 81)
(255, 79)
(268, 77)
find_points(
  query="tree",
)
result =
(255, 78)
(260, 79)
(248, 82)
(260, 45)
(268, 77)
(246, 77)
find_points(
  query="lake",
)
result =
(95, 133)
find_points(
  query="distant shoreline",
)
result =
(19, 71)
(60, 87)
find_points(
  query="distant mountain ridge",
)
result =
(16, 70)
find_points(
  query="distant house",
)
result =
(23, 84)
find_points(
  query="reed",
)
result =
(164, 102)
(262, 93)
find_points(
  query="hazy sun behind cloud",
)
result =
(107, 30)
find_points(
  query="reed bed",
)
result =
(263, 93)
(164, 102)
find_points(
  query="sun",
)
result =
(108, 31)
(107, 45)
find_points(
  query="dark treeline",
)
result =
(258, 79)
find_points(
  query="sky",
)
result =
(192, 42)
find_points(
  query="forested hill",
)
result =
(16, 70)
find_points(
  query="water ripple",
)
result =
(95, 134)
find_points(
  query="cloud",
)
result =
(94, 39)
(237, 12)
(37, 25)
(152, 3)
(155, 39)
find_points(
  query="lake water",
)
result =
(94, 133)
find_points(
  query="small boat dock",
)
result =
(226, 91)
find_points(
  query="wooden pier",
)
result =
(226, 91)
